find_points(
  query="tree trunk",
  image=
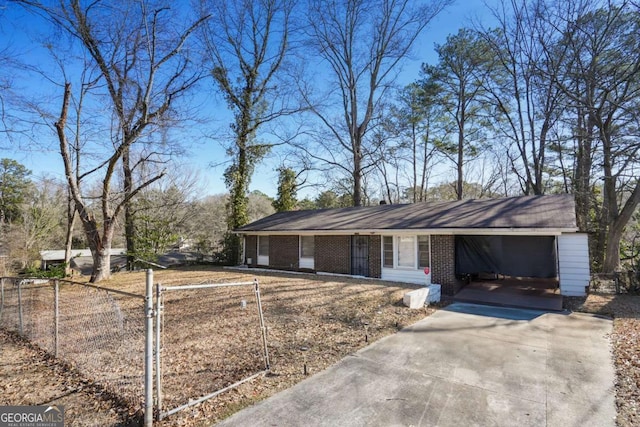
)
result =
(414, 155)
(102, 265)
(612, 254)
(459, 164)
(129, 217)
(357, 172)
(100, 247)
(461, 119)
(582, 181)
(238, 204)
(540, 159)
(71, 220)
(609, 212)
(423, 180)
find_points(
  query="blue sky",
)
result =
(47, 162)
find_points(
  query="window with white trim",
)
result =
(387, 251)
(424, 249)
(307, 246)
(406, 251)
(263, 245)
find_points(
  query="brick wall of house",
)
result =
(284, 252)
(443, 264)
(251, 249)
(375, 256)
(333, 254)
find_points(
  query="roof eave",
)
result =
(413, 231)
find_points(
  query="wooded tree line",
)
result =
(542, 100)
(170, 217)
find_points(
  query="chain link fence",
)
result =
(210, 338)
(98, 331)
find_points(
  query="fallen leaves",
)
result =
(625, 342)
(210, 341)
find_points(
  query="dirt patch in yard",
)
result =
(625, 342)
(209, 342)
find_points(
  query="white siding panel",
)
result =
(407, 276)
(307, 263)
(573, 263)
(576, 256)
(577, 263)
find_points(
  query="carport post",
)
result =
(148, 351)
(244, 249)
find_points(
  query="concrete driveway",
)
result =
(467, 365)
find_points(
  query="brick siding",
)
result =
(333, 254)
(443, 262)
(375, 256)
(284, 252)
(251, 250)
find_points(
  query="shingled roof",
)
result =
(553, 212)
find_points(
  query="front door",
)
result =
(360, 255)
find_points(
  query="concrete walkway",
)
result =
(467, 365)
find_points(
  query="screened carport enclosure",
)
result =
(487, 257)
(519, 271)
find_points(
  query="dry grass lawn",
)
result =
(210, 341)
(312, 322)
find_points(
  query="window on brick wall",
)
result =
(406, 251)
(387, 249)
(307, 246)
(263, 245)
(423, 251)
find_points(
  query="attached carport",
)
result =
(531, 271)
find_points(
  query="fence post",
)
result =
(20, 325)
(148, 351)
(56, 321)
(263, 327)
(159, 314)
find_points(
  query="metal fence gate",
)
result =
(109, 336)
(208, 340)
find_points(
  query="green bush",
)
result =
(53, 272)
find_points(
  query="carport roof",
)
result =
(538, 213)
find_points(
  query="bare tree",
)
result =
(460, 75)
(39, 224)
(247, 43)
(521, 89)
(600, 76)
(143, 68)
(419, 100)
(404, 146)
(361, 42)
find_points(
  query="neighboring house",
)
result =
(81, 259)
(444, 243)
